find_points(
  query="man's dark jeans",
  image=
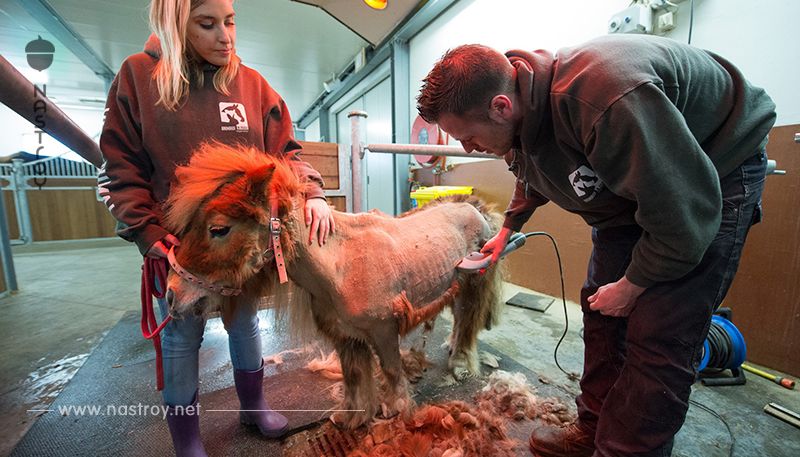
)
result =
(638, 370)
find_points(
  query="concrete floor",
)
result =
(71, 295)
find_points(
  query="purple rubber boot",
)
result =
(254, 408)
(184, 426)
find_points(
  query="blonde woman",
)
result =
(186, 88)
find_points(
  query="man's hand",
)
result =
(319, 217)
(616, 299)
(159, 250)
(496, 245)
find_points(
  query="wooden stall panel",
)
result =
(763, 296)
(338, 203)
(11, 213)
(324, 157)
(66, 214)
(3, 285)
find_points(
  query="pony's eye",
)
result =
(218, 231)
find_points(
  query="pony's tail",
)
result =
(480, 294)
(480, 297)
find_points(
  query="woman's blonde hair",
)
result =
(179, 65)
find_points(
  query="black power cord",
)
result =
(715, 414)
(721, 351)
(571, 376)
(721, 355)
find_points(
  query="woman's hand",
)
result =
(320, 218)
(159, 250)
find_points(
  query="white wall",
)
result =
(312, 130)
(380, 167)
(377, 103)
(761, 37)
(373, 95)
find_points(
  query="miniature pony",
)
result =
(376, 278)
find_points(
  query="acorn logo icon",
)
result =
(40, 54)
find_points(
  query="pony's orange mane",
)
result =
(244, 171)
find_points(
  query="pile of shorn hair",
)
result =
(456, 428)
(451, 429)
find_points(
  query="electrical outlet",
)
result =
(666, 22)
(635, 19)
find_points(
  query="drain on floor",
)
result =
(326, 440)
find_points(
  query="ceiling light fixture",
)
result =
(376, 4)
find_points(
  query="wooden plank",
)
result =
(324, 157)
(339, 203)
(11, 214)
(68, 215)
(64, 182)
(319, 149)
(3, 285)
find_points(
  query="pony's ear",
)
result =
(258, 181)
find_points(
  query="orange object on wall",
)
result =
(423, 132)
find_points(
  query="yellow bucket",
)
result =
(425, 194)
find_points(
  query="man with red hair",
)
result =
(659, 147)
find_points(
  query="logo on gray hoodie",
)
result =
(585, 183)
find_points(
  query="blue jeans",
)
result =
(638, 370)
(180, 346)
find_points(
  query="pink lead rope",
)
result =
(196, 280)
(275, 239)
(151, 269)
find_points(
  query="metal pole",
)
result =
(428, 149)
(357, 156)
(22, 96)
(21, 202)
(771, 168)
(401, 122)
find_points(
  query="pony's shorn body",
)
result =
(377, 276)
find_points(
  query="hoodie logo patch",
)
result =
(233, 117)
(586, 183)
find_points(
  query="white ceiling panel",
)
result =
(294, 46)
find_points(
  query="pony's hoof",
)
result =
(387, 412)
(448, 343)
(336, 419)
(395, 406)
(460, 374)
(489, 359)
(347, 420)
